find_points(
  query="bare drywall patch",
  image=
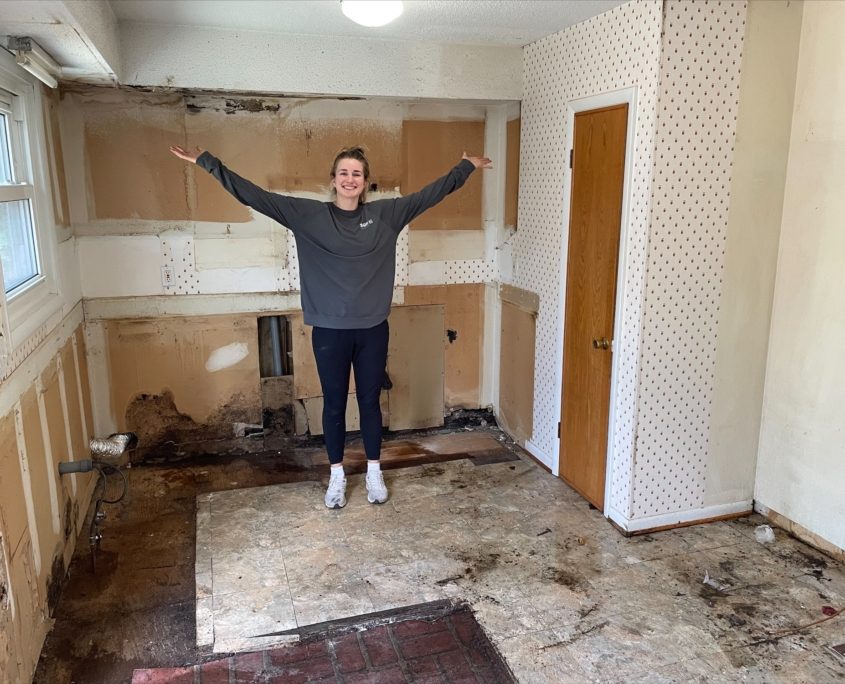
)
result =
(464, 312)
(12, 505)
(415, 362)
(82, 358)
(430, 149)
(38, 472)
(157, 357)
(516, 370)
(132, 173)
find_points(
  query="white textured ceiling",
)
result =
(468, 22)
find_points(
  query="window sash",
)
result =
(6, 167)
(19, 251)
(18, 247)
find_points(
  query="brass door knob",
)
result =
(602, 343)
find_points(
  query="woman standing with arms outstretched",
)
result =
(347, 259)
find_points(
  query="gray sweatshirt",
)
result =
(347, 258)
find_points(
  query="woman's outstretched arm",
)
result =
(407, 208)
(278, 207)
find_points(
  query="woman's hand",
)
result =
(187, 155)
(477, 162)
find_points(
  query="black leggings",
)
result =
(365, 351)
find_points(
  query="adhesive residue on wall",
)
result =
(226, 356)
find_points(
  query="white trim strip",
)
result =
(105, 308)
(65, 414)
(540, 455)
(681, 517)
(48, 456)
(81, 398)
(32, 524)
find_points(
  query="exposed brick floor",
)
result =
(451, 649)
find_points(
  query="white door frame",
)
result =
(625, 96)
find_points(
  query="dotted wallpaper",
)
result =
(177, 252)
(684, 59)
(702, 54)
(615, 50)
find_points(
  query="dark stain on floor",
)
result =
(139, 609)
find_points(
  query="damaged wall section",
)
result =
(171, 383)
(194, 379)
(137, 209)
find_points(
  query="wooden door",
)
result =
(598, 162)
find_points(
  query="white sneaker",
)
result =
(376, 489)
(336, 492)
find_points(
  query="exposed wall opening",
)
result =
(275, 361)
(275, 352)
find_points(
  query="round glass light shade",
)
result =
(371, 12)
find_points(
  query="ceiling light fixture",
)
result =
(371, 12)
(35, 60)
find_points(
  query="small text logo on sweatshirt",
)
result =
(366, 223)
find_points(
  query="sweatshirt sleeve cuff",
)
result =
(205, 160)
(468, 166)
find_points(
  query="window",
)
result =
(27, 233)
(17, 239)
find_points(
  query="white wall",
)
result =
(769, 64)
(696, 126)
(801, 462)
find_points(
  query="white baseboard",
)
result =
(539, 454)
(680, 518)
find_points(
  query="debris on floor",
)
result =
(713, 584)
(764, 534)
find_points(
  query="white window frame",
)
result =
(32, 304)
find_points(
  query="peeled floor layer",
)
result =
(561, 594)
